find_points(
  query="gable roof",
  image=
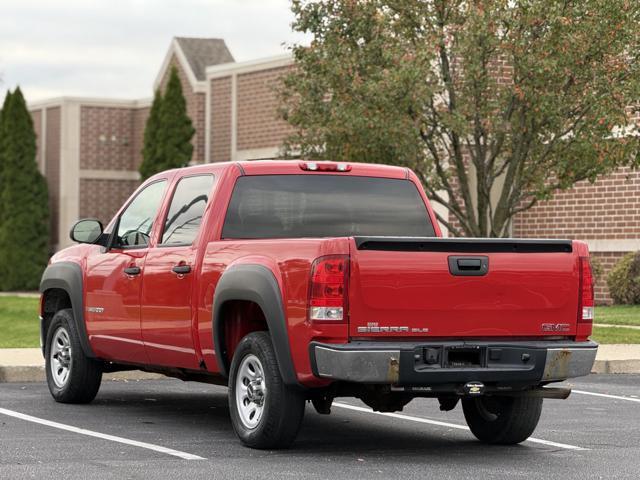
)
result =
(194, 56)
(204, 52)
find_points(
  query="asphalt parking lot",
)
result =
(187, 434)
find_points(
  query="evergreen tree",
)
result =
(151, 139)
(24, 224)
(2, 135)
(168, 131)
(176, 129)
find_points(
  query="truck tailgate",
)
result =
(462, 287)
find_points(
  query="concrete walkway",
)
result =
(27, 364)
(607, 325)
(20, 294)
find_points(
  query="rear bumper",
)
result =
(449, 363)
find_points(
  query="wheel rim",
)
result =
(251, 391)
(60, 357)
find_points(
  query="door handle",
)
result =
(132, 270)
(181, 269)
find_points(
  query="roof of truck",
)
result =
(292, 167)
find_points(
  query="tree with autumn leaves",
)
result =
(496, 104)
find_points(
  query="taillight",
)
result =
(585, 296)
(328, 289)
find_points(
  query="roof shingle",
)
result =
(204, 52)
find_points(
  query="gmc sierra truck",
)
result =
(296, 281)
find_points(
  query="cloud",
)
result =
(114, 48)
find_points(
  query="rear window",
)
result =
(295, 206)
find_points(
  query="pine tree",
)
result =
(176, 129)
(24, 224)
(148, 166)
(168, 133)
(2, 135)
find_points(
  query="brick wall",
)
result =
(220, 111)
(257, 103)
(606, 210)
(140, 116)
(101, 199)
(195, 108)
(52, 169)
(107, 138)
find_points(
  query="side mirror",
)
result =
(86, 231)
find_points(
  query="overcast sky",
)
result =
(114, 48)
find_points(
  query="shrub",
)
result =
(597, 270)
(624, 280)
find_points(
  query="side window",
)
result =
(186, 210)
(137, 219)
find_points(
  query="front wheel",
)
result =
(502, 420)
(72, 377)
(265, 412)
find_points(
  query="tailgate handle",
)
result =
(469, 266)
(469, 263)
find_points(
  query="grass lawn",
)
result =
(618, 315)
(19, 323)
(19, 326)
(616, 335)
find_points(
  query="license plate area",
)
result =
(464, 357)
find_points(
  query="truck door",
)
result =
(169, 278)
(114, 281)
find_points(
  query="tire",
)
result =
(278, 409)
(502, 420)
(72, 377)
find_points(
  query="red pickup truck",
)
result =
(294, 281)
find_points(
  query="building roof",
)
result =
(204, 52)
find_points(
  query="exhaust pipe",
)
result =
(558, 393)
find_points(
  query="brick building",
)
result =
(89, 150)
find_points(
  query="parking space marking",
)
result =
(605, 395)
(91, 433)
(447, 424)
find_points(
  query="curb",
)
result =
(35, 373)
(616, 366)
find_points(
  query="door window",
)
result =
(186, 210)
(136, 221)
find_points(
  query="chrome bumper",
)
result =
(563, 363)
(396, 363)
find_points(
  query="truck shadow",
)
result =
(202, 414)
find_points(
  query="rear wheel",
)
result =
(265, 412)
(72, 377)
(502, 420)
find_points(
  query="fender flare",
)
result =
(67, 276)
(255, 283)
